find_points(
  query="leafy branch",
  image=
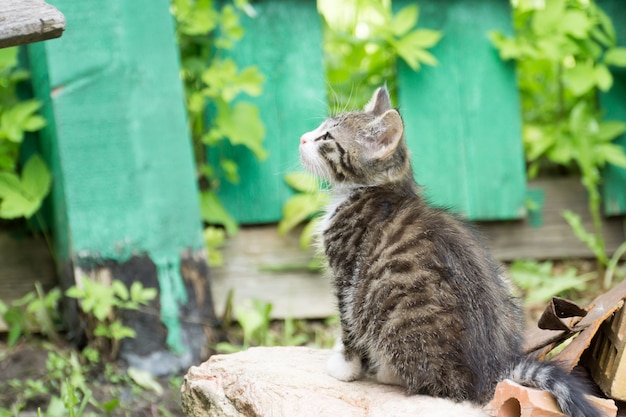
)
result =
(216, 112)
(564, 51)
(363, 41)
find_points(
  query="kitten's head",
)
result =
(359, 148)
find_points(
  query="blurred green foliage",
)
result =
(214, 84)
(564, 50)
(21, 190)
(363, 40)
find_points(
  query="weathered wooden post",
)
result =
(29, 21)
(124, 198)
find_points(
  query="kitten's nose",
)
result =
(303, 139)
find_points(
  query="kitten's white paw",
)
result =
(344, 370)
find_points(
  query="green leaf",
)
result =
(118, 331)
(576, 23)
(8, 57)
(556, 285)
(102, 308)
(308, 232)
(36, 178)
(20, 118)
(145, 380)
(611, 153)
(15, 331)
(609, 130)
(405, 19)
(540, 283)
(421, 38)
(111, 405)
(584, 236)
(231, 170)
(250, 80)
(22, 198)
(302, 182)
(140, 294)
(299, 208)
(119, 289)
(75, 292)
(213, 212)
(606, 24)
(214, 237)
(604, 79)
(508, 47)
(547, 20)
(616, 56)
(224, 81)
(580, 79)
(242, 125)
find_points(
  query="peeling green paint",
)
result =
(172, 293)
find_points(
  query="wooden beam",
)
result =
(28, 21)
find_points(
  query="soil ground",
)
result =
(27, 361)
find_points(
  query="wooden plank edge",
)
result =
(29, 21)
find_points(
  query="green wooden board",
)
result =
(117, 141)
(614, 103)
(284, 41)
(123, 149)
(462, 117)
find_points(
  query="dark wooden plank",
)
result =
(27, 21)
(284, 42)
(553, 239)
(462, 117)
(252, 263)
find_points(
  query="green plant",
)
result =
(21, 195)
(65, 386)
(216, 112)
(254, 319)
(563, 50)
(99, 303)
(33, 310)
(540, 282)
(308, 202)
(363, 40)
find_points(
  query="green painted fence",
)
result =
(284, 41)
(125, 197)
(462, 117)
(614, 102)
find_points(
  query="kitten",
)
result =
(422, 303)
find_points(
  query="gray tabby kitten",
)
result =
(422, 303)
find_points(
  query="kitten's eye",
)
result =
(325, 136)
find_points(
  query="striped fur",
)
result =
(421, 301)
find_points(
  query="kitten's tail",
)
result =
(568, 391)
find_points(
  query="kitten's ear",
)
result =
(391, 131)
(379, 103)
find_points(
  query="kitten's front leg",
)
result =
(344, 365)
